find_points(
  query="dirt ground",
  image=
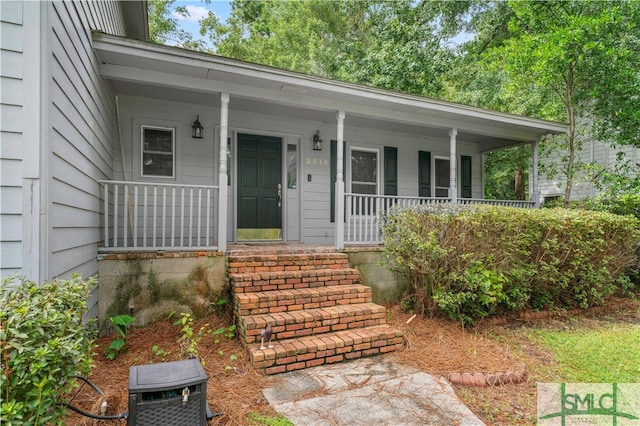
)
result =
(435, 346)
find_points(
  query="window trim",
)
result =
(360, 148)
(435, 187)
(173, 151)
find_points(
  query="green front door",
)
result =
(259, 187)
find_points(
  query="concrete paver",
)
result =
(367, 391)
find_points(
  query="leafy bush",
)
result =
(121, 323)
(44, 343)
(489, 259)
(625, 204)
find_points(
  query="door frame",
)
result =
(233, 193)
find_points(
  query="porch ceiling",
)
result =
(166, 72)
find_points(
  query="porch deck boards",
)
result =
(317, 306)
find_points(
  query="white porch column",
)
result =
(340, 182)
(222, 170)
(453, 189)
(535, 190)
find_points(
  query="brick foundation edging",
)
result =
(160, 254)
(488, 379)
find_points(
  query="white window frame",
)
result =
(173, 151)
(378, 157)
(434, 177)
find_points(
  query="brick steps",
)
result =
(288, 280)
(277, 262)
(319, 311)
(311, 351)
(312, 321)
(296, 299)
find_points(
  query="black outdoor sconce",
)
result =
(196, 129)
(317, 142)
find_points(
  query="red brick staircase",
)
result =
(316, 304)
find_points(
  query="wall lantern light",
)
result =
(317, 142)
(196, 129)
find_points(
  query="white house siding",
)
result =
(598, 152)
(197, 161)
(11, 138)
(81, 130)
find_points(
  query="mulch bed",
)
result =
(234, 388)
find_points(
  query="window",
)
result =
(442, 177)
(364, 172)
(158, 151)
(292, 166)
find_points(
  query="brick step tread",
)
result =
(287, 262)
(271, 249)
(312, 321)
(297, 299)
(327, 348)
(287, 280)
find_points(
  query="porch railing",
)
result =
(364, 213)
(142, 216)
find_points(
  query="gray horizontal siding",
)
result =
(11, 155)
(82, 133)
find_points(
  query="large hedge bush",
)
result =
(473, 262)
(44, 343)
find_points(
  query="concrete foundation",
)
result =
(149, 286)
(386, 286)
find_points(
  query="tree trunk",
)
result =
(519, 183)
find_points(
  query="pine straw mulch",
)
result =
(234, 387)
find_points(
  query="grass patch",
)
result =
(603, 354)
(256, 418)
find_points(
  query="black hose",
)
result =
(90, 383)
(95, 416)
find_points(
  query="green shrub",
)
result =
(487, 259)
(625, 204)
(44, 343)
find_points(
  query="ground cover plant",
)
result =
(589, 351)
(44, 343)
(473, 262)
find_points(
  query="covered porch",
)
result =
(302, 158)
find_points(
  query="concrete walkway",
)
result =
(368, 391)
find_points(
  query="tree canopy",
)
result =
(568, 60)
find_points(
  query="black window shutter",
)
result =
(390, 170)
(424, 174)
(465, 163)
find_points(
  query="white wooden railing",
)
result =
(142, 216)
(503, 203)
(364, 213)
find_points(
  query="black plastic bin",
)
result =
(168, 394)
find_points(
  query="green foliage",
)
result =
(255, 418)
(587, 355)
(391, 45)
(121, 323)
(625, 204)
(161, 354)
(44, 343)
(228, 332)
(189, 339)
(486, 259)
